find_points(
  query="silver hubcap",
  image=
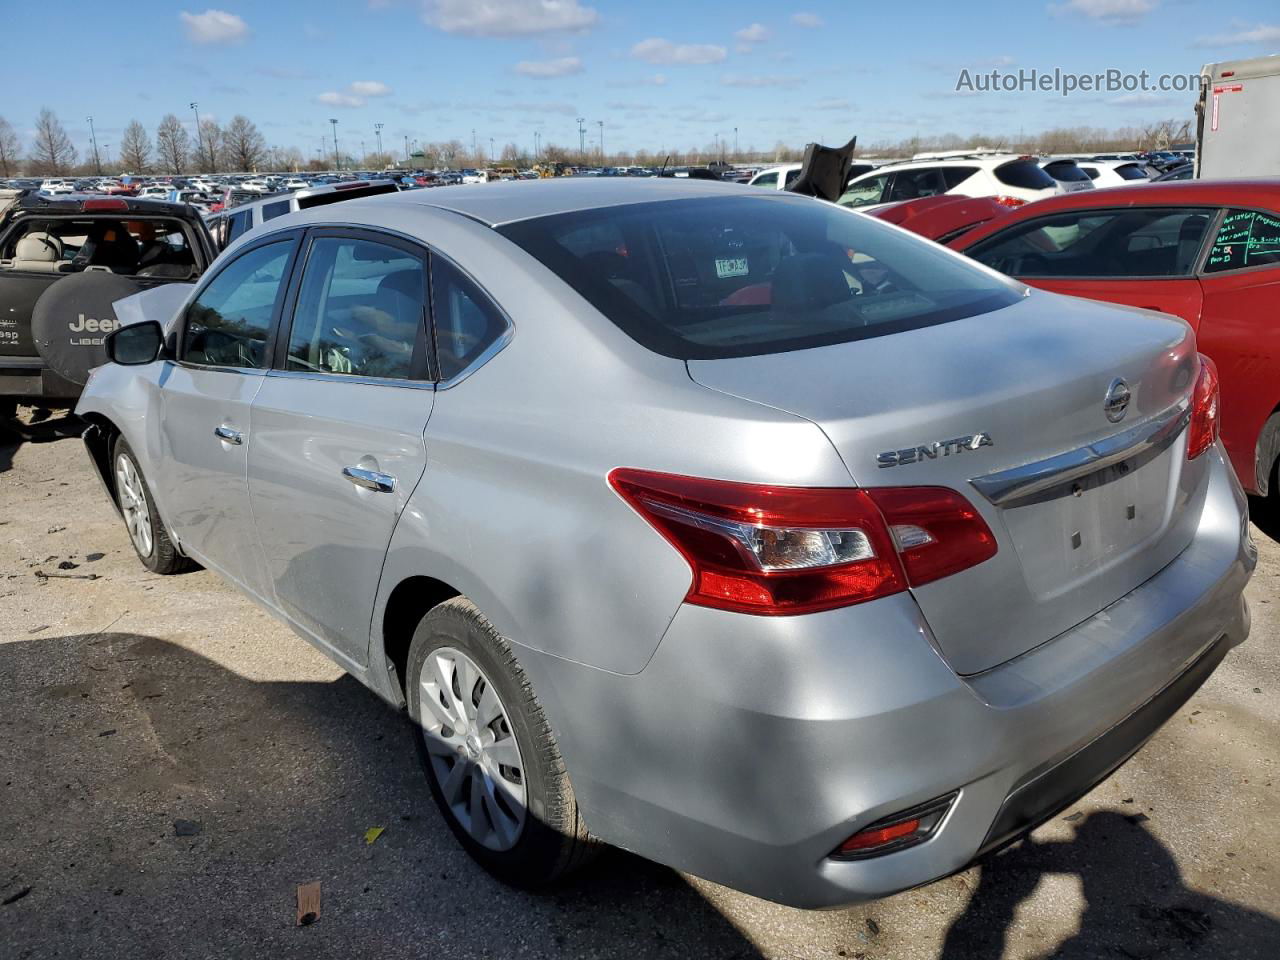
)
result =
(474, 754)
(133, 504)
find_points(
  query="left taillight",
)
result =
(773, 550)
(1202, 431)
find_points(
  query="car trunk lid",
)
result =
(1008, 409)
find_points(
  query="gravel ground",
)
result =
(174, 762)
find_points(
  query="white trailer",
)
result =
(1238, 119)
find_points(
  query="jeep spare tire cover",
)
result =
(72, 318)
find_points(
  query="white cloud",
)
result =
(560, 67)
(369, 88)
(756, 33)
(1243, 34)
(803, 19)
(748, 37)
(757, 80)
(214, 26)
(833, 104)
(334, 99)
(1107, 11)
(508, 18)
(1143, 99)
(658, 50)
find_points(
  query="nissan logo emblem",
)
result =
(1116, 402)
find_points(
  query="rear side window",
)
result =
(1024, 174)
(1135, 242)
(791, 177)
(228, 323)
(741, 276)
(360, 310)
(1066, 171)
(1247, 238)
(466, 321)
(272, 210)
(952, 177)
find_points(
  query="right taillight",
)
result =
(1202, 432)
(772, 550)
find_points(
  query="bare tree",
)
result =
(52, 151)
(245, 147)
(10, 149)
(510, 155)
(209, 146)
(172, 143)
(135, 148)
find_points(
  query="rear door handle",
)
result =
(370, 479)
(226, 433)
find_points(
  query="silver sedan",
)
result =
(730, 527)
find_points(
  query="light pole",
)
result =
(337, 160)
(106, 148)
(735, 143)
(491, 149)
(582, 139)
(362, 154)
(377, 129)
(601, 124)
(93, 137)
(406, 150)
(195, 107)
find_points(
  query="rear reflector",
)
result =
(898, 832)
(1202, 432)
(105, 203)
(770, 550)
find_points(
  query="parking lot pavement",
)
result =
(131, 702)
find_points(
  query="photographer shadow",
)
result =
(1136, 903)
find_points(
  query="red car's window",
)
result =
(1133, 242)
(1246, 238)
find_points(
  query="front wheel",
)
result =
(141, 518)
(490, 759)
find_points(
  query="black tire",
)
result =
(162, 557)
(553, 840)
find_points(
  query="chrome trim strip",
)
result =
(1020, 482)
(351, 378)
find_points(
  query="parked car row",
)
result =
(699, 586)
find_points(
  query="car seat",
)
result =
(807, 282)
(39, 252)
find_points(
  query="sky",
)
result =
(662, 74)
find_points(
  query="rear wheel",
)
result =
(487, 750)
(141, 518)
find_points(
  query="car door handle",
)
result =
(228, 434)
(370, 479)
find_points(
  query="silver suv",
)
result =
(733, 528)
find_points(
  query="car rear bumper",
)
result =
(749, 748)
(28, 378)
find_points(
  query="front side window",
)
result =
(239, 224)
(766, 180)
(1135, 242)
(913, 184)
(466, 321)
(360, 310)
(742, 276)
(1246, 238)
(228, 324)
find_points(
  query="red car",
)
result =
(1206, 251)
(943, 217)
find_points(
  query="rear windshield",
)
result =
(1066, 171)
(1025, 174)
(1131, 171)
(716, 277)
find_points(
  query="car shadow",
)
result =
(1136, 902)
(150, 796)
(14, 432)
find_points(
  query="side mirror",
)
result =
(136, 344)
